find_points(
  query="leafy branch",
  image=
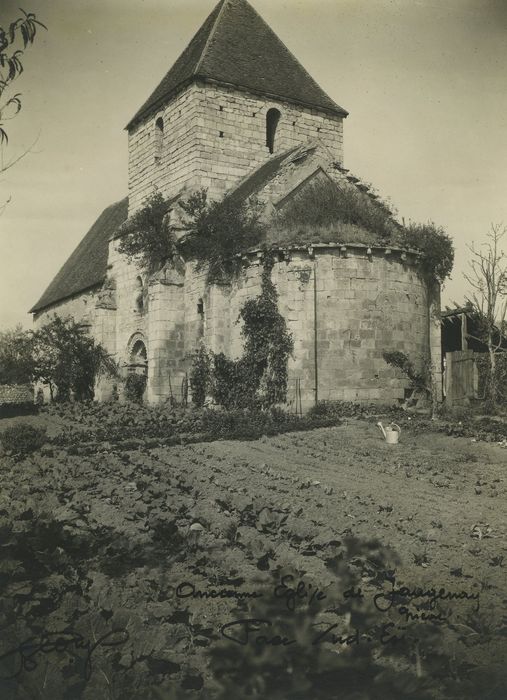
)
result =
(22, 31)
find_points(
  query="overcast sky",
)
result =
(425, 82)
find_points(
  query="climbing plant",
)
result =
(268, 343)
(135, 385)
(399, 360)
(259, 377)
(200, 374)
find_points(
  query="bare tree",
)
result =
(13, 42)
(488, 280)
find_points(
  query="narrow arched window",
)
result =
(272, 118)
(139, 295)
(159, 138)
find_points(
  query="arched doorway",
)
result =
(138, 356)
(137, 369)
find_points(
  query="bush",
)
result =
(200, 376)
(436, 246)
(23, 439)
(135, 384)
(217, 232)
(342, 409)
(147, 237)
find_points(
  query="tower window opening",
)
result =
(200, 307)
(221, 134)
(272, 118)
(139, 295)
(159, 138)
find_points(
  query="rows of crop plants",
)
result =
(103, 554)
(112, 422)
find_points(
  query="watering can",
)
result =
(391, 433)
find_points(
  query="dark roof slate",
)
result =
(87, 265)
(259, 178)
(235, 46)
(15, 394)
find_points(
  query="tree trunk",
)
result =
(492, 374)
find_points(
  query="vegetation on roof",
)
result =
(219, 232)
(147, 237)
(326, 213)
(216, 231)
(325, 204)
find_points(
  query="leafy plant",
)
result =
(147, 237)
(483, 363)
(401, 361)
(345, 214)
(22, 439)
(16, 359)
(200, 375)
(67, 359)
(436, 246)
(135, 385)
(21, 32)
(259, 377)
(217, 232)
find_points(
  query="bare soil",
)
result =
(276, 503)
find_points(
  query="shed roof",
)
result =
(86, 267)
(15, 394)
(236, 47)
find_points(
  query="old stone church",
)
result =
(237, 113)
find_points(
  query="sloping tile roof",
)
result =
(256, 180)
(15, 394)
(235, 46)
(87, 265)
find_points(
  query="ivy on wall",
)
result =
(259, 377)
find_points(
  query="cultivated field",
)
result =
(134, 572)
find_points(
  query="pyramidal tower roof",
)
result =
(236, 47)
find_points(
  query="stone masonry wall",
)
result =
(365, 305)
(213, 136)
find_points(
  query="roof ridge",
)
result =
(210, 37)
(293, 56)
(235, 46)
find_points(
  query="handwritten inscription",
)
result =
(26, 656)
(291, 592)
(260, 632)
(407, 603)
